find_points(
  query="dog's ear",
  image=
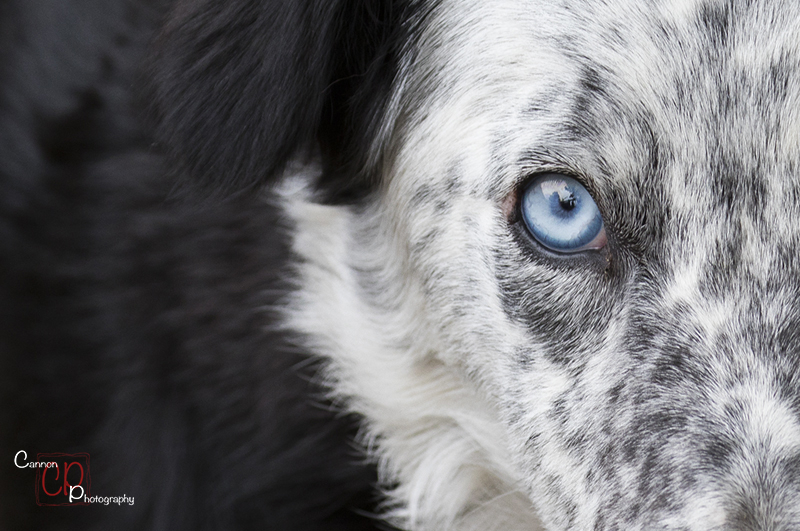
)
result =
(238, 87)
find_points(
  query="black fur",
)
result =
(241, 86)
(133, 326)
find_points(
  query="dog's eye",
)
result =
(561, 215)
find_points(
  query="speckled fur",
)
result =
(651, 385)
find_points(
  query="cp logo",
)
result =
(65, 484)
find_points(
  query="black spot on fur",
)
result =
(453, 182)
(614, 392)
(582, 127)
(719, 451)
(715, 19)
(591, 82)
(422, 195)
(780, 78)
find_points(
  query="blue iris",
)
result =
(559, 212)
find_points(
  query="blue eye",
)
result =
(559, 212)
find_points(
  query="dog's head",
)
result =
(549, 248)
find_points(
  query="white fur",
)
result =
(401, 296)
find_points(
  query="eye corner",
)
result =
(510, 206)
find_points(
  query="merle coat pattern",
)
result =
(266, 262)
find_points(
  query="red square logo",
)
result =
(66, 481)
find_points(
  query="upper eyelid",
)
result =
(538, 162)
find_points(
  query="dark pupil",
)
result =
(567, 202)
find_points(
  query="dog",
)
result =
(414, 264)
